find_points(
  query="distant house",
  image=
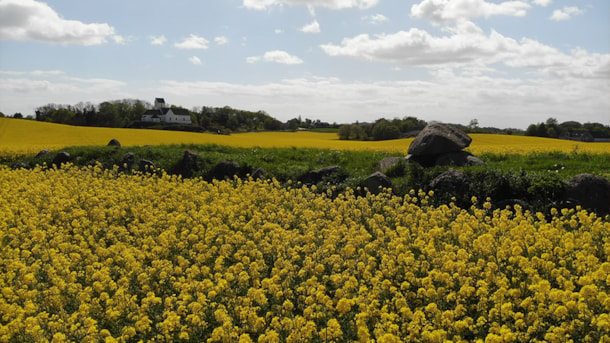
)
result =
(574, 135)
(163, 114)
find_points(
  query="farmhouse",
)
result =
(163, 114)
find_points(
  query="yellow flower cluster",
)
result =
(91, 255)
(27, 137)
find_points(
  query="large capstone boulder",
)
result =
(224, 170)
(591, 192)
(377, 182)
(452, 182)
(437, 138)
(316, 176)
(458, 159)
(61, 158)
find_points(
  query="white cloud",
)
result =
(24, 91)
(311, 4)
(123, 40)
(543, 3)
(376, 18)
(448, 97)
(29, 20)
(466, 46)
(158, 40)
(221, 40)
(450, 11)
(314, 27)
(278, 31)
(195, 60)
(276, 56)
(193, 42)
(566, 13)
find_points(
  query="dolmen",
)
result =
(442, 145)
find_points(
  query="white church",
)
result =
(163, 114)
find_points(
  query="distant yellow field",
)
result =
(25, 137)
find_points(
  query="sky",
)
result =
(507, 64)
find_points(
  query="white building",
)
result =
(163, 114)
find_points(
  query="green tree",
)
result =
(551, 122)
(344, 131)
(61, 115)
(532, 129)
(474, 124)
(383, 130)
(356, 132)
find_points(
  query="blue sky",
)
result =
(505, 63)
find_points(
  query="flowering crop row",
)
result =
(27, 137)
(94, 255)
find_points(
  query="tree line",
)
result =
(587, 132)
(127, 113)
(382, 129)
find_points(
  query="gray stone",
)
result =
(147, 166)
(128, 161)
(458, 159)
(61, 158)
(20, 165)
(258, 174)
(42, 153)
(437, 138)
(376, 182)
(224, 170)
(424, 160)
(387, 163)
(591, 192)
(316, 176)
(452, 182)
(511, 203)
(114, 142)
(187, 164)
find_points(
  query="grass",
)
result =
(538, 178)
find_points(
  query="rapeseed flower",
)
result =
(96, 255)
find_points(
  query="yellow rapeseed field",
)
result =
(92, 255)
(25, 137)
